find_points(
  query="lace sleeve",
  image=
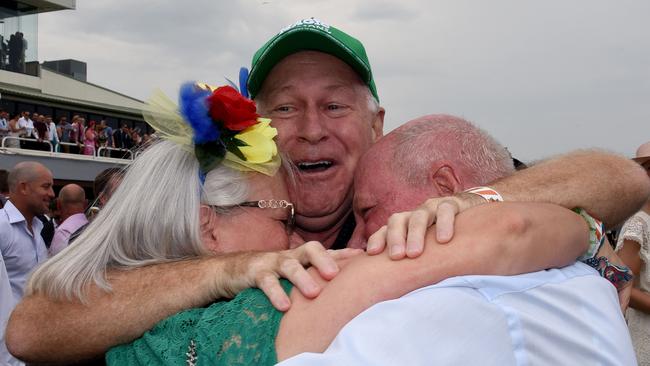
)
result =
(635, 229)
(165, 344)
(237, 332)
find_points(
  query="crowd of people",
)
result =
(467, 261)
(73, 137)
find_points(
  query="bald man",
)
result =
(72, 203)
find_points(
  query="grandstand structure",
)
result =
(56, 88)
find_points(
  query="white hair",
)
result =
(444, 137)
(152, 217)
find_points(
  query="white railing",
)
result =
(4, 139)
(109, 149)
(97, 153)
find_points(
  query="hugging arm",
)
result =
(44, 330)
(609, 187)
(498, 239)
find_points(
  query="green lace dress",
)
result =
(237, 332)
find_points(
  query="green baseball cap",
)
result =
(305, 35)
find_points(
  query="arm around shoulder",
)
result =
(608, 186)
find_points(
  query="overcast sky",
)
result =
(544, 77)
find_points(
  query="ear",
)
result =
(378, 125)
(444, 178)
(208, 220)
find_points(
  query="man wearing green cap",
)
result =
(316, 83)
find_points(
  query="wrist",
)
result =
(487, 193)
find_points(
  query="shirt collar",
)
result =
(13, 213)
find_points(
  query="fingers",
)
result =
(396, 235)
(417, 229)
(377, 241)
(342, 254)
(293, 270)
(447, 211)
(271, 287)
(315, 254)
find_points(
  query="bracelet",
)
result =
(596, 234)
(487, 193)
(619, 276)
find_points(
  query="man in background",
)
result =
(72, 204)
(30, 189)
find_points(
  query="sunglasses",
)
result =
(289, 223)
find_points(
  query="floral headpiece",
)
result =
(221, 126)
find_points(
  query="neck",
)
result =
(326, 237)
(25, 212)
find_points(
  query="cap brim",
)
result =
(302, 39)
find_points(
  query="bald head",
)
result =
(432, 156)
(72, 194)
(72, 200)
(26, 172)
(30, 188)
(476, 155)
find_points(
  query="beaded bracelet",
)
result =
(619, 276)
(596, 234)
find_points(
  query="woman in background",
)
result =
(633, 246)
(90, 139)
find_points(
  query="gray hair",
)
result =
(26, 171)
(152, 217)
(444, 137)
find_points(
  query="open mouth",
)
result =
(314, 166)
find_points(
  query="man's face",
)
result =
(39, 192)
(320, 108)
(379, 193)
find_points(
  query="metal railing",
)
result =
(97, 153)
(109, 149)
(4, 140)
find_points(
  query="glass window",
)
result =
(19, 43)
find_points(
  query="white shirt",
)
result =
(52, 136)
(28, 124)
(567, 316)
(21, 249)
(7, 304)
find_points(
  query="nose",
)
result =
(312, 127)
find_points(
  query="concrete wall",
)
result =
(62, 168)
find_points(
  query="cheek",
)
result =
(374, 222)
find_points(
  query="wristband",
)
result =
(596, 234)
(487, 193)
(619, 276)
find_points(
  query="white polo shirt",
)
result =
(567, 316)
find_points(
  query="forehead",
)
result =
(305, 68)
